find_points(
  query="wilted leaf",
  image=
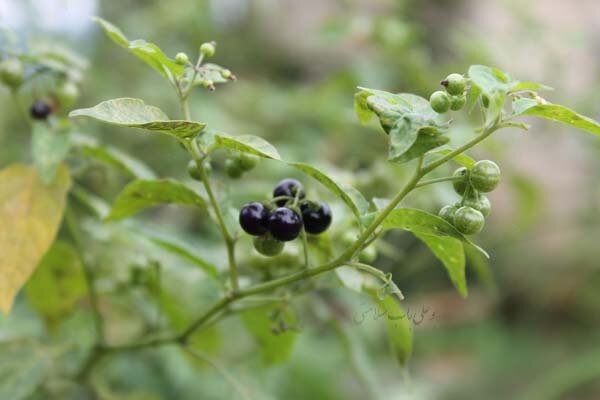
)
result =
(30, 215)
(555, 112)
(57, 284)
(141, 194)
(134, 113)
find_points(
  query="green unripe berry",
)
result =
(11, 72)
(208, 84)
(268, 246)
(447, 213)
(457, 102)
(481, 203)
(439, 101)
(248, 161)
(66, 93)
(368, 255)
(207, 49)
(485, 176)
(195, 172)
(225, 73)
(233, 169)
(181, 58)
(454, 84)
(468, 220)
(460, 185)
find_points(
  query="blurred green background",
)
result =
(530, 327)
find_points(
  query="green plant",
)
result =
(416, 136)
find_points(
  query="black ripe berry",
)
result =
(254, 218)
(284, 224)
(40, 109)
(317, 217)
(288, 187)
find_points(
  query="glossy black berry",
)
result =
(316, 217)
(254, 218)
(284, 224)
(288, 187)
(40, 109)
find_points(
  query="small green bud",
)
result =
(11, 72)
(439, 101)
(182, 59)
(225, 73)
(233, 169)
(66, 93)
(194, 171)
(368, 254)
(454, 84)
(207, 49)
(457, 102)
(208, 84)
(247, 161)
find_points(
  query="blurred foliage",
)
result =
(529, 326)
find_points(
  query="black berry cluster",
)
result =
(468, 215)
(283, 217)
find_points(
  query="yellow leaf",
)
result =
(30, 215)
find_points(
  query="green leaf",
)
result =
(493, 83)
(555, 112)
(114, 157)
(334, 188)
(275, 347)
(402, 136)
(363, 112)
(150, 53)
(462, 158)
(57, 284)
(422, 223)
(398, 326)
(134, 113)
(23, 367)
(30, 215)
(451, 253)
(49, 148)
(183, 251)
(422, 145)
(246, 144)
(517, 86)
(141, 194)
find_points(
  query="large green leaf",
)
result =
(403, 135)
(49, 147)
(422, 223)
(147, 52)
(451, 253)
(275, 346)
(30, 215)
(23, 367)
(134, 113)
(246, 144)
(351, 197)
(555, 112)
(141, 194)
(57, 284)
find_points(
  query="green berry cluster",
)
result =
(239, 163)
(468, 215)
(453, 98)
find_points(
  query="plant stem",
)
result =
(185, 108)
(438, 180)
(75, 234)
